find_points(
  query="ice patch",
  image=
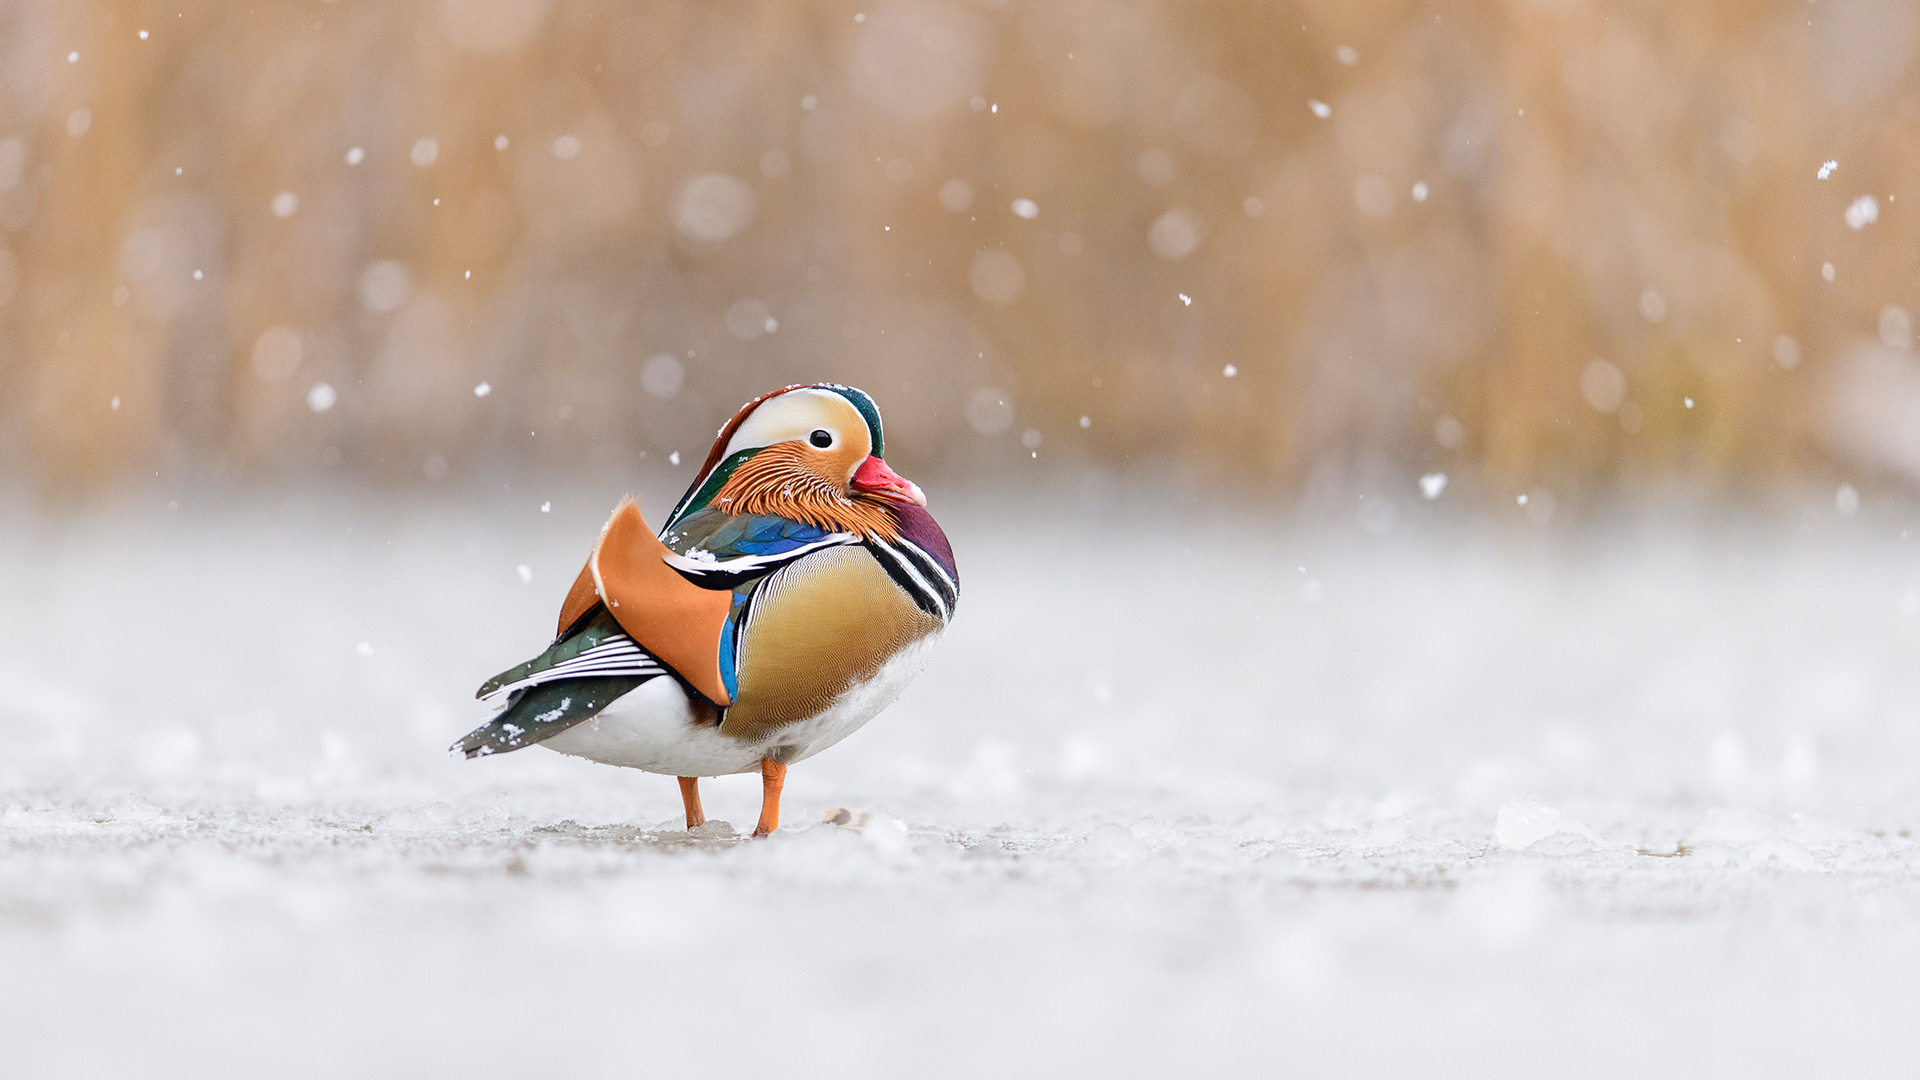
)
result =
(1524, 822)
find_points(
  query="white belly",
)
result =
(654, 728)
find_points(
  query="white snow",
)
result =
(1490, 804)
(1862, 212)
(1827, 169)
(1320, 108)
(1432, 484)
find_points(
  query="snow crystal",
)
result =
(662, 375)
(997, 276)
(1827, 169)
(673, 458)
(426, 151)
(385, 285)
(1185, 300)
(356, 155)
(1320, 108)
(320, 397)
(1175, 234)
(1846, 500)
(1154, 167)
(143, 35)
(1432, 484)
(1253, 207)
(749, 318)
(1085, 421)
(1525, 822)
(277, 353)
(1347, 55)
(1419, 191)
(73, 58)
(1687, 401)
(114, 404)
(956, 195)
(990, 410)
(500, 142)
(1862, 212)
(1026, 208)
(546, 507)
(714, 207)
(1786, 352)
(1826, 270)
(285, 204)
(1229, 371)
(483, 390)
(525, 572)
(566, 147)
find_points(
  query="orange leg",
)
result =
(773, 777)
(690, 795)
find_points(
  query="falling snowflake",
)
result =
(1862, 212)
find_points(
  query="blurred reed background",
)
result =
(1565, 245)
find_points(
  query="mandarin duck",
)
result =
(797, 588)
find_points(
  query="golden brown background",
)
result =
(627, 218)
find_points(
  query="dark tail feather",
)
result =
(543, 711)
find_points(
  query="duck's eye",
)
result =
(821, 438)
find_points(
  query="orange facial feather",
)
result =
(784, 480)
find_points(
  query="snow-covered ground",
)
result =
(1452, 802)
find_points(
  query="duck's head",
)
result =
(813, 453)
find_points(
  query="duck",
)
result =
(796, 590)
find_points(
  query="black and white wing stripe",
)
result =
(711, 572)
(617, 655)
(915, 571)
